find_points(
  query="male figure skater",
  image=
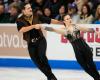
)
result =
(29, 25)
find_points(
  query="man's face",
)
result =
(28, 10)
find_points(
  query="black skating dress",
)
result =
(82, 51)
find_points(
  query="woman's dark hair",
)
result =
(88, 10)
(47, 8)
(65, 15)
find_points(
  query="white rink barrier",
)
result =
(13, 49)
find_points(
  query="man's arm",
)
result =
(23, 28)
(54, 21)
(48, 20)
(28, 28)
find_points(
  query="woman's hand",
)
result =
(97, 33)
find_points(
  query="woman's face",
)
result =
(1, 9)
(27, 1)
(84, 10)
(13, 11)
(47, 12)
(67, 19)
(98, 9)
(62, 10)
(39, 1)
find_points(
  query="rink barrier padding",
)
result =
(55, 64)
(14, 53)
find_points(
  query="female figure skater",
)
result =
(82, 51)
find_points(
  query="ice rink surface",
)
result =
(35, 74)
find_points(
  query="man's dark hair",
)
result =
(23, 5)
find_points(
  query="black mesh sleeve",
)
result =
(44, 19)
(20, 24)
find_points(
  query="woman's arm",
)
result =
(56, 30)
(97, 33)
(85, 29)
